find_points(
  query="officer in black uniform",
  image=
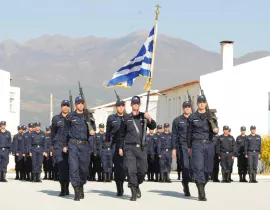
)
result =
(14, 152)
(5, 147)
(156, 157)
(241, 159)
(59, 132)
(226, 150)
(150, 155)
(253, 151)
(200, 145)
(98, 139)
(216, 161)
(112, 132)
(131, 140)
(230, 177)
(28, 158)
(18, 151)
(78, 148)
(37, 151)
(179, 131)
(166, 151)
(48, 151)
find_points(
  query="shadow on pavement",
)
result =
(109, 194)
(173, 194)
(55, 194)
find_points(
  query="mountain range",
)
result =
(55, 64)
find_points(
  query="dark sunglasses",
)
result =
(120, 105)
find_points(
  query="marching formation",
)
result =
(72, 152)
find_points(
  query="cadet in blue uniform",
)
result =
(59, 133)
(48, 151)
(230, 177)
(253, 151)
(37, 151)
(166, 150)
(226, 150)
(179, 131)
(78, 148)
(131, 133)
(5, 147)
(98, 139)
(18, 152)
(24, 156)
(150, 155)
(241, 159)
(156, 157)
(112, 133)
(28, 158)
(200, 145)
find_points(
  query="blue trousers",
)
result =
(119, 166)
(107, 160)
(165, 161)
(187, 164)
(4, 160)
(37, 159)
(61, 159)
(78, 163)
(203, 160)
(253, 158)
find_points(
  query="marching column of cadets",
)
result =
(31, 148)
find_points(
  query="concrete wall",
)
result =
(4, 95)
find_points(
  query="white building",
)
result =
(10, 102)
(240, 93)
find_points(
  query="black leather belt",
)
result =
(203, 141)
(226, 152)
(253, 150)
(3, 148)
(75, 141)
(166, 150)
(107, 148)
(38, 146)
(132, 144)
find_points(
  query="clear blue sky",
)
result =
(202, 22)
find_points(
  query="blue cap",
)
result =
(159, 127)
(38, 124)
(243, 128)
(119, 103)
(253, 127)
(3, 123)
(166, 125)
(19, 127)
(48, 128)
(186, 103)
(135, 100)
(65, 103)
(79, 99)
(31, 125)
(201, 99)
(24, 127)
(101, 125)
(225, 127)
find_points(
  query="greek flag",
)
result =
(138, 66)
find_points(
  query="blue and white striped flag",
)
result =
(140, 65)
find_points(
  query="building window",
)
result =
(12, 102)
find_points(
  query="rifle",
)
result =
(210, 113)
(118, 98)
(190, 101)
(85, 110)
(71, 102)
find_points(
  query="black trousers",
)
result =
(226, 162)
(253, 158)
(119, 166)
(242, 163)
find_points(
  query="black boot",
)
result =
(122, 187)
(108, 177)
(17, 175)
(228, 175)
(133, 194)
(46, 175)
(201, 192)
(94, 176)
(168, 180)
(240, 177)
(3, 177)
(32, 177)
(99, 177)
(156, 177)
(21, 176)
(112, 176)
(250, 178)
(0, 176)
(223, 177)
(152, 176)
(81, 192)
(254, 178)
(118, 188)
(186, 188)
(104, 177)
(179, 175)
(77, 193)
(138, 192)
(148, 177)
(63, 188)
(67, 187)
(161, 177)
(244, 177)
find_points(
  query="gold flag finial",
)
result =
(157, 11)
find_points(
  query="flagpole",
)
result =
(148, 85)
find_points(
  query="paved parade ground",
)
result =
(43, 196)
